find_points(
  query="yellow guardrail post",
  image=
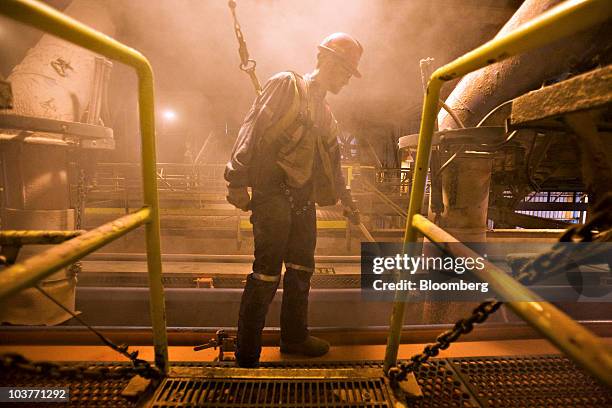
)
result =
(54, 22)
(565, 19)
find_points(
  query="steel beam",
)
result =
(592, 90)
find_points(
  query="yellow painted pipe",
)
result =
(27, 273)
(48, 19)
(563, 20)
(40, 237)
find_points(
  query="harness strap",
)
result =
(289, 122)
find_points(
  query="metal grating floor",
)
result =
(298, 393)
(84, 392)
(441, 387)
(540, 381)
(488, 382)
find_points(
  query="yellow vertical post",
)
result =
(48, 19)
(157, 305)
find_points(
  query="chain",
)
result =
(463, 326)
(48, 369)
(138, 367)
(555, 260)
(600, 220)
(546, 264)
(247, 64)
(81, 196)
(79, 209)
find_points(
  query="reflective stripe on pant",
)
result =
(280, 236)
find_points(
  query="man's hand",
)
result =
(352, 214)
(350, 209)
(238, 197)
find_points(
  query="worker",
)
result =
(287, 152)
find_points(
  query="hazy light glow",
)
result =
(169, 115)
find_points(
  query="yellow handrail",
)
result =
(28, 272)
(579, 343)
(54, 22)
(565, 19)
(25, 237)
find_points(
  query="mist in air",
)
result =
(193, 49)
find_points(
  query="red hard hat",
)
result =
(346, 48)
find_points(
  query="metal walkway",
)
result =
(504, 382)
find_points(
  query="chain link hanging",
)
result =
(247, 64)
(138, 367)
(79, 209)
(444, 340)
(15, 361)
(141, 366)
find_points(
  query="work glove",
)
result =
(350, 209)
(238, 197)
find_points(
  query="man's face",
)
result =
(339, 77)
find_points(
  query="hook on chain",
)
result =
(249, 66)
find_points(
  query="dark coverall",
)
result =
(287, 151)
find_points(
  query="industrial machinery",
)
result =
(477, 174)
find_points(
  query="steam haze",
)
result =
(193, 50)
(192, 43)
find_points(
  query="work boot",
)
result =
(256, 298)
(311, 347)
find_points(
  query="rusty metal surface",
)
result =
(587, 91)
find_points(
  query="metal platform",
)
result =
(504, 382)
